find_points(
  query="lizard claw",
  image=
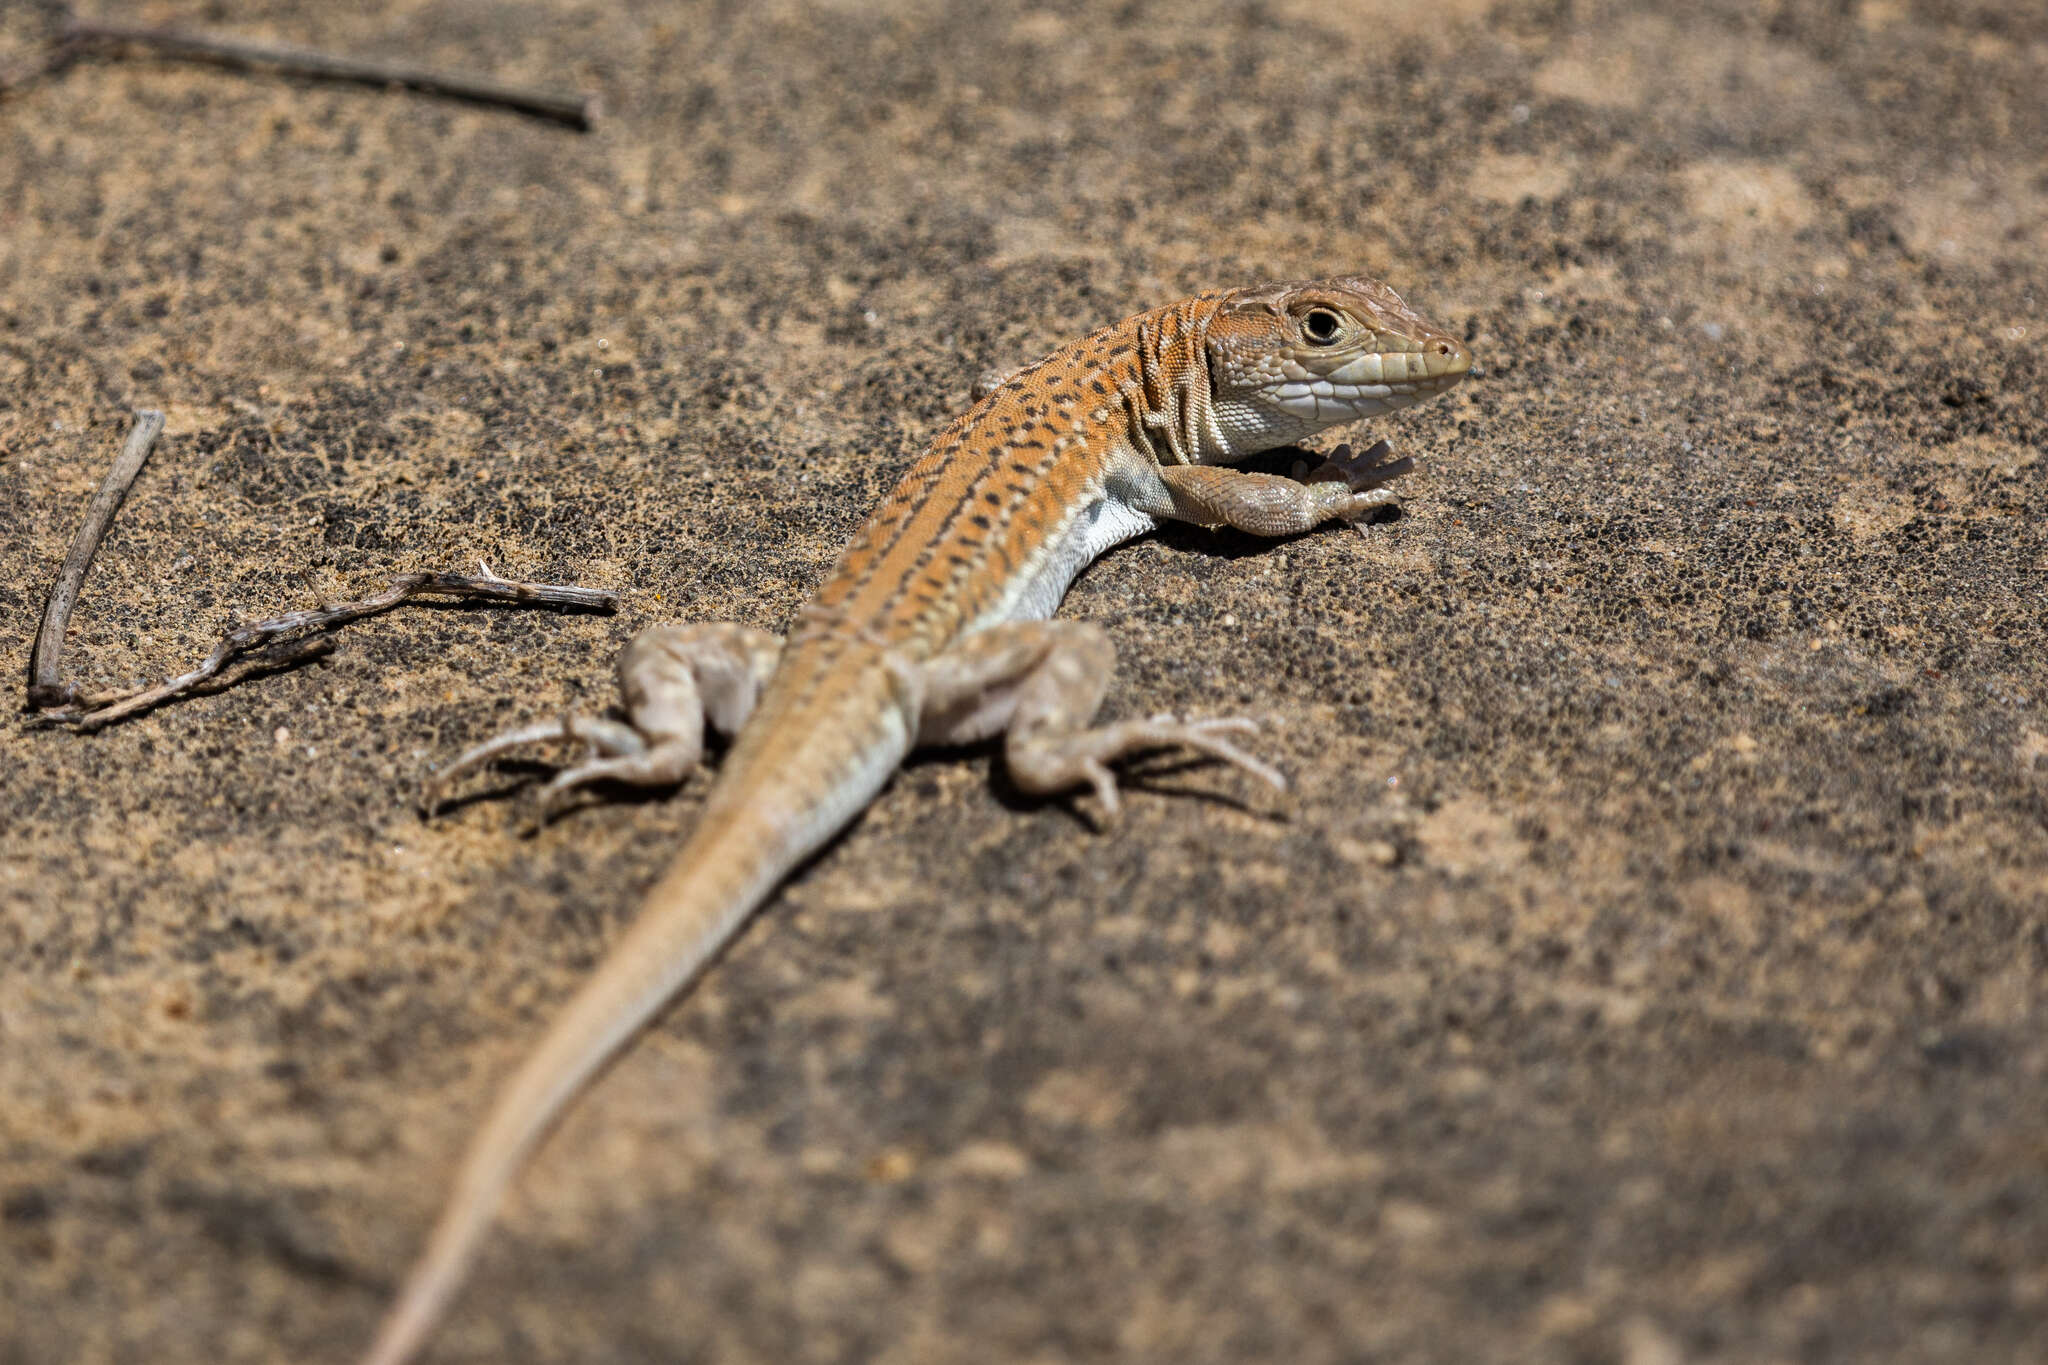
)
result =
(613, 750)
(434, 785)
(1204, 736)
(666, 763)
(1363, 471)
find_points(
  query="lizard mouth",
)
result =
(1439, 358)
(1376, 381)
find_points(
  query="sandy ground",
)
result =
(1651, 965)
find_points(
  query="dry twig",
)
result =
(46, 685)
(75, 36)
(103, 709)
(579, 111)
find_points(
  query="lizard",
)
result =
(936, 628)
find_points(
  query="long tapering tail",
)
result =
(724, 872)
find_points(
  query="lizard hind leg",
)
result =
(673, 680)
(1038, 684)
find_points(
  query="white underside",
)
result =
(1295, 412)
(1103, 520)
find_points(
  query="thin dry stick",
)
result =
(579, 111)
(111, 707)
(46, 685)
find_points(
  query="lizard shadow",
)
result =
(1144, 777)
(514, 777)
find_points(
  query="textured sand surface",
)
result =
(1651, 965)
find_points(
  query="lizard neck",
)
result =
(1172, 407)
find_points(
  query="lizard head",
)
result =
(1289, 360)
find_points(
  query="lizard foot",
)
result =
(1054, 763)
(614, 752)
(1365, 473)
(1363, 470)
(673, 680)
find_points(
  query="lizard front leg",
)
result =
(1345, 485)
(673, 680)
(1038, 684)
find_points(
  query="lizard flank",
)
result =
(933, 629)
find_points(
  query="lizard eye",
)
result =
(1320, 326)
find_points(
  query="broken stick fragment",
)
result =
(103, 709)
(46, 685)
(577, 109)
(59, 702)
